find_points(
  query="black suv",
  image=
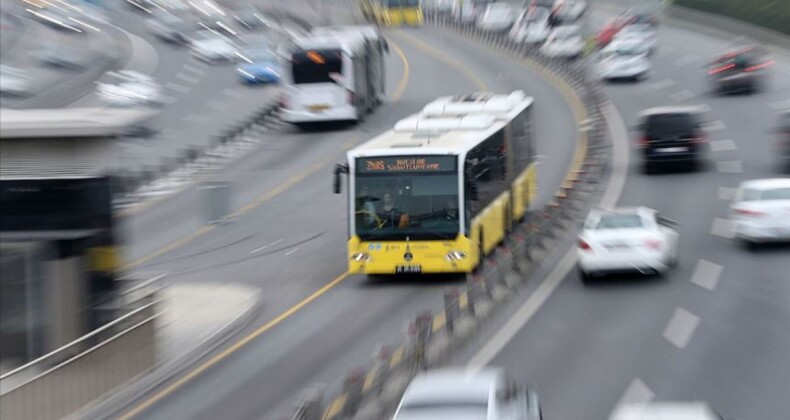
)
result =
(671, 135)
(739, 71)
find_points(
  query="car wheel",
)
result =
(585, 277)
(649, 168)
(749, 245)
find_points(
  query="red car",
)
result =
(631, 16)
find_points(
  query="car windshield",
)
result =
(766, 195)
(669, 124)
(619, 221)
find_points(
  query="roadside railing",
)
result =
(373, 390)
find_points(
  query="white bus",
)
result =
(332, 76)
(443, 187)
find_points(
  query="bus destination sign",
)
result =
(388, 164)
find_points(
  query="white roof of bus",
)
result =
(368, 31)
(447, 125)
(345, 41)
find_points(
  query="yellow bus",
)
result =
(393, 12)
(442, 188)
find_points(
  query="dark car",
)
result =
(783, 131)
(743, 70)
(671, 135)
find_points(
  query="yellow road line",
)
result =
(463, 300)
(335, 408)
(438, 321)
(227, 352)
(433, 52)
(396, 357)
(369, 378)
(404, 80)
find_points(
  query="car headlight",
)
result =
(455, 256)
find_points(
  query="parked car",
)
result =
(456, 394)
(532, 27)
(761, 211)
(60, 56)
(626, 240)
(665, 411)
(170, 27)
(463, 12)
(129, 88)
(625, 59)
(14, 82)
(671, 135)
(569, 11)
(498, 17)
(564, 41)
(742, 70)
(641, 32)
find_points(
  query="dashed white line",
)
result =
(663, 84)
(727, 193)
(636, 393)
(682, 95)
(217, 105)
(291, 251)
(717, 125)
(707, 274)
(233, 93)
(187, 78)
(178, 88)
(255, 251)
(194, 69)
(681, 328)
(729, 166)
(722, 145)
(722, 227)
(780, 105)
(688, 59)
(196, 118)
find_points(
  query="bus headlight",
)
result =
(360, 257)
(455, 256)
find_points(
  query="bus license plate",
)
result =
(318, 108)
(408, 269)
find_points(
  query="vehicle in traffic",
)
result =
(625, 59)
(671, 135)
(626, 240)
(783, 142)
(14, 82)
(60, 56)
(458, 394)
(129, 88)
(394, 12)
(439, 191)
(334, 75)
(666, 410)
(631, 16)
(463, 12)
(642, 33)
(569, 11)
(169, 26)
(742, 70)
(761, 211)
(260, 65)
(532, 27)
(498, 17)
(211, 47)
(249, 17)
(565, 42)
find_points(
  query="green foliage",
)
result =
(771, 14)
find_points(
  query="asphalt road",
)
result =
(714, 329)
(289, 239)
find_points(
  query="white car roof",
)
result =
(766, 184)
(452, 384)
(678, 109)
(567, 29)
(665, 411)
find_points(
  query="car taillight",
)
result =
(653, 244)
(699, 138)
(584, 246)
(760, 66)
(721, 69)
(642, 141)
(748, 212)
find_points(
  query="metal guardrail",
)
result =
(372, 391)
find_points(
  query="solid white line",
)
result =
(722, 227)
(178, 88)
(681, 328)
(620, 163)
(255, 251)
(723, 145)
(780, 105)
(682, 95)
(707, 274)
(729, 166)
(727, 193)
(187, 78)
(663, 84)
(636, 393)
(688, 59)
(196, 118)
(291, 251)
(715, 126)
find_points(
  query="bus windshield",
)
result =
(402, 3)
(393, 204)
(316, 66)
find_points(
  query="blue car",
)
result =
(260, 67)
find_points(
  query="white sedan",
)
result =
(624, 59)
(628, 239)
(129, 88)
(569, 10)
(498, 17)
(14, 82)
(761, 211)
(212, 47)
(532, 27)
(564, 41)
(643, 33)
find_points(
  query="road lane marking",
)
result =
(187, 78)
(729, 166)
(636, 393)
(291, 251)
(255, 251)
(230, 350)
(681, 328)
(217, 105)
(178, 88)
(727, 193)
(688, 59)
(233, 93)
(404, 81)
(723, 228)
(723, 145)
(682, 95)
(194, 69)
(707, 274)
(717, 125)
(196, 118)
(663, 84)
(780, 105)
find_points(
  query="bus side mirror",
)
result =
(339, 169)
